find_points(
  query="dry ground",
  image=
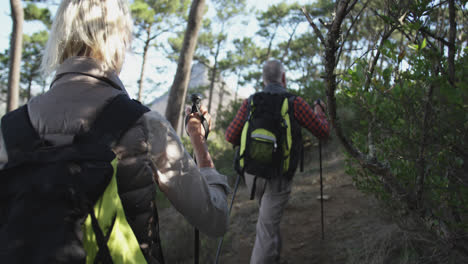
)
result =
(349, 216)
(354, 224)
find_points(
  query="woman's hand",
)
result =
(194, 125)
(196, 133)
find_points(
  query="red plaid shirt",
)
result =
(317, 124)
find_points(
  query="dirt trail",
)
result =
(350, 217)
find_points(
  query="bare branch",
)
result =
(316, 30)
(426, 31)
(360, 57)
(349, 30)
(327, 25)
(289, 42)
(352, 6)
(162, 31)
(388, 179)
(385, 36)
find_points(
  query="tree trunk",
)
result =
(331, 47)
(15, 54)
(237, 87)
(452, 47)
(213, 75)
(179, 87)
(221, 97)
(143, 63)
(28, 96)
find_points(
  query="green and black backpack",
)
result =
(270, 137)
(60, 204)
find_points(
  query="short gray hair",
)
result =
(273, 71)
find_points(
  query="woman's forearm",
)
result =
(201, 150)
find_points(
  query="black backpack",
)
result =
(47, 191)
(266, 144)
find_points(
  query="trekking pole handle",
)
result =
(196, 104)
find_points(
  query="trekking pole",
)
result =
(220, 243)
(196, 102)
(196, 246)
(318, 102)
(321, 188)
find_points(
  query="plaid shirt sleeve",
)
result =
(234, 130)
(317, 124)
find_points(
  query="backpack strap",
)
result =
(249, 107)
(18, 133)
(291, 99)
(116, 118)
(103, 255)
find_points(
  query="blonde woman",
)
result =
(86, 50)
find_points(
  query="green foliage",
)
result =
(152, 19)
(154, 12)
(33, 47)
(304, 61)
(175, 43)
(246, 62)
(155, 21)
(415, 120)
(226, 116)
(4, 59)
(33, 12)
(227, 9)
(215, 33)
(273, 17)
(221, 152)
(277, 28)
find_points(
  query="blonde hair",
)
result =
(101, 29)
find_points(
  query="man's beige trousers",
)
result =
(273, 198)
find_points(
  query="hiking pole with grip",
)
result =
(321, 188)
(196, 103)
(319, 103)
